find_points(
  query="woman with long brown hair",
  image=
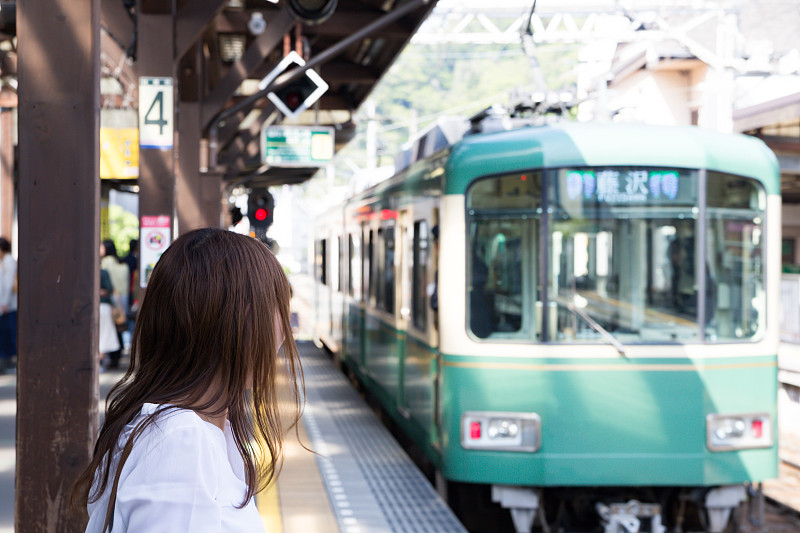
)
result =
(193, 431)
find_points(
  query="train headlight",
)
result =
(493, 430)
(738, 431)
(503, 428)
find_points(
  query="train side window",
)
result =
(419, 275)
(361, 288)
(322, 261)
(369, 269)
(338, 263)
(378, 286)
(503, 296)
(351, 264)
(388, 269)
(317, 260)
(735, 247)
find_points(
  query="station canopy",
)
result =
(233, 46)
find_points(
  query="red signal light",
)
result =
(261, 214)
(293, 100)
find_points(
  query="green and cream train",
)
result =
(578, 321)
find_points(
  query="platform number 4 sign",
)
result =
(156, 114)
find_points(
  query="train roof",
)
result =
(576, 144)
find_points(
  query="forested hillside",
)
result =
(429, 81)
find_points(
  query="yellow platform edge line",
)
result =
(269, 507)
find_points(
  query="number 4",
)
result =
(160, 121)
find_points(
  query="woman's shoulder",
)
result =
(170, 418)
(177, 433)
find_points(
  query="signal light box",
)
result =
(297, 146)
(297, 96)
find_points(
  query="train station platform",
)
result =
(361, 480)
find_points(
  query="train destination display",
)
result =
(628, 186)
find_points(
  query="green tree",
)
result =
(122, 226)
(428, 81)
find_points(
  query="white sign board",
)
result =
(156, 112)
(297, 146)
(155, 237)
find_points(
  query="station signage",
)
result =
(297, 146)
(155, 237)
(119, 153)
(156, 112)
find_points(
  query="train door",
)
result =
(322, 287)
(420, 360)
(404, 244)
(384, 345)
(369, 325)
(337, 289)
(352, 319)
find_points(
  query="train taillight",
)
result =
(738, 431)
(493, 430)
(475, 430)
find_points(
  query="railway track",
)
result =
(782, 495)
(782, 503)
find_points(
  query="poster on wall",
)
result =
(155, 237)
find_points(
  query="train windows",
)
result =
(337, 265)
(419, 275)
(384, 269)
(628, 256)
(622, 255)
(735, 248)
(349, 262)
(388, 273)
(353, 267)
(369, 269)
(379, 269)
(322, 261)
(502, 273)
(379, 287)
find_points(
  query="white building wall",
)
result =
(653, 97)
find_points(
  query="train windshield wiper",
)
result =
(608, 337)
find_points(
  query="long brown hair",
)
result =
(207, 323)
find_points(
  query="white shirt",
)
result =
(183, 474)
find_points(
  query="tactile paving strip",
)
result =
(372, 483)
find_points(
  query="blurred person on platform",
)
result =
(8, 304)
(120, 283)
(132, 260)
(118, 270)
(109, 345)
(193, 430)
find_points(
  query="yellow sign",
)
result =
(119, 153)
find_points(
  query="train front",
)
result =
(617, 361)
